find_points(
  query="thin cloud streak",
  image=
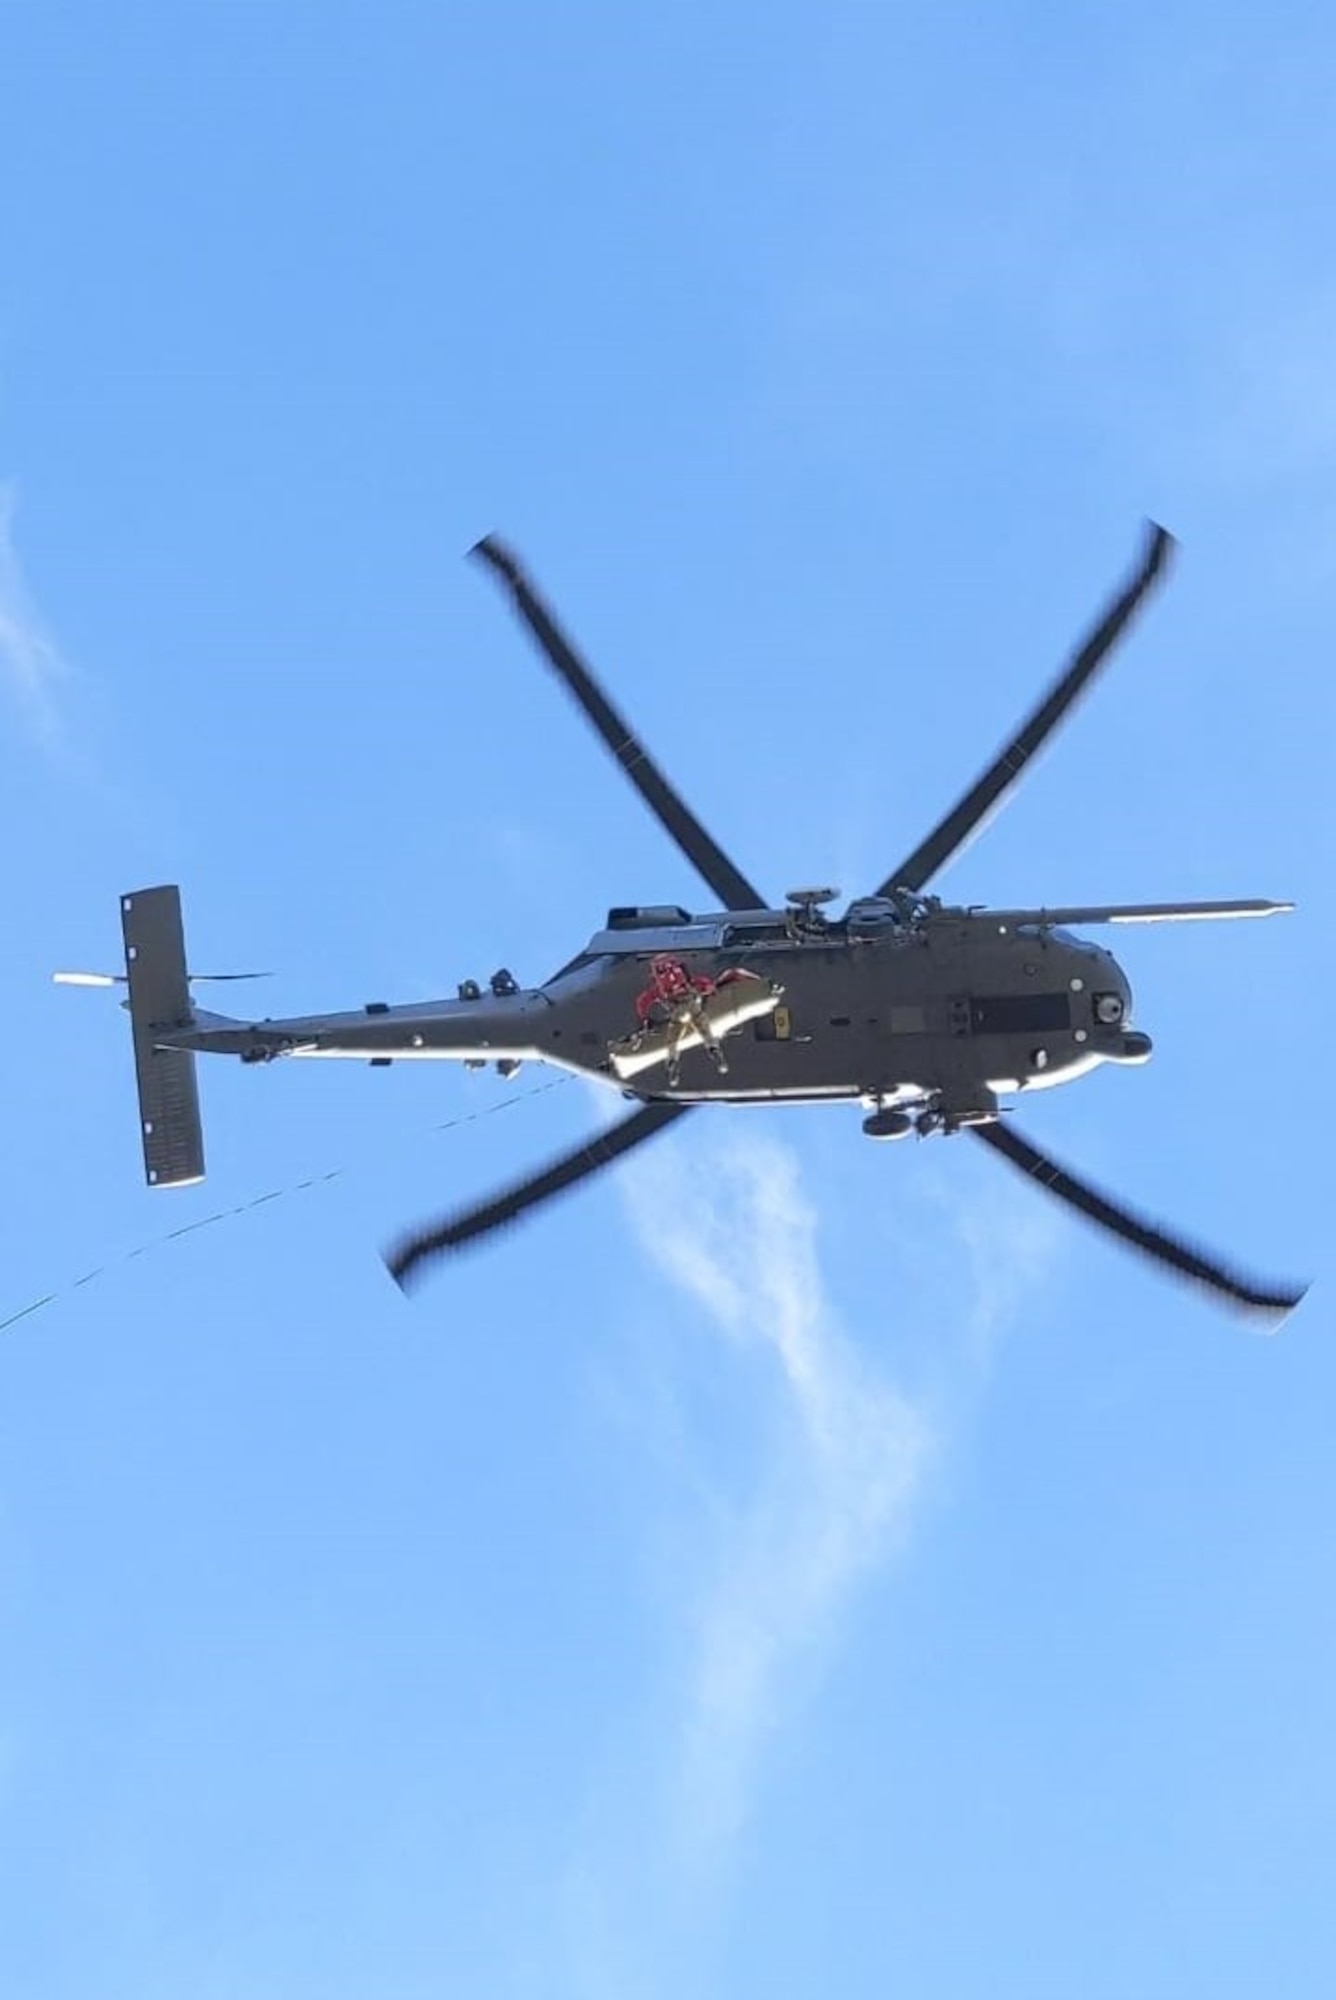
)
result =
(835, 1490)
(31, 664)
(823, 1481)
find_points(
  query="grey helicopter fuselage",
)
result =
(930, 1016)
(888, 1005)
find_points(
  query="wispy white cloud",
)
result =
(835, 1481)
(1007, 1236)
(828, 1462)
(31, 664)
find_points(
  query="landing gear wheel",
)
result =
(888, 1125)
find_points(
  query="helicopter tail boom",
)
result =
(155, 967)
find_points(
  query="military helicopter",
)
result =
(927, 1015)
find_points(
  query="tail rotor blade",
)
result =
(119, 978)
(1264, 1300)
(408, 1260)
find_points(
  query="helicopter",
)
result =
(926, 1015)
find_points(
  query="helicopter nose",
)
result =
(1134, 1049)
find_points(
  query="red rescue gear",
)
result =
(669, 984)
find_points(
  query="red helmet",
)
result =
(668, 973)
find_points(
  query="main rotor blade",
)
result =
(960, 822)
(704, 854)
(1269, 1301)
(1134, 913)
(409, 1257)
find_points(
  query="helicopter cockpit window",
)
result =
(646, 917)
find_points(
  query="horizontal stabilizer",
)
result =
(155, 966)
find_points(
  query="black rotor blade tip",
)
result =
(412, 1254)
(1160, 546)
(410, 1258)
(495, 553)
(1235, 1288)
(399, 1262)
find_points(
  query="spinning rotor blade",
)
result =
(961, 821)
(119, 978)
(408, 1257)
(710, 861)
(1269, 1301)
(1136, 913)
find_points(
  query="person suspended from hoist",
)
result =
(680, 1008)
(675, 999)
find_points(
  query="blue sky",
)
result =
(789, 1568)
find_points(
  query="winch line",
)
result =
(261, 1201)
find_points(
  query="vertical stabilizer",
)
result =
(155, 965)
